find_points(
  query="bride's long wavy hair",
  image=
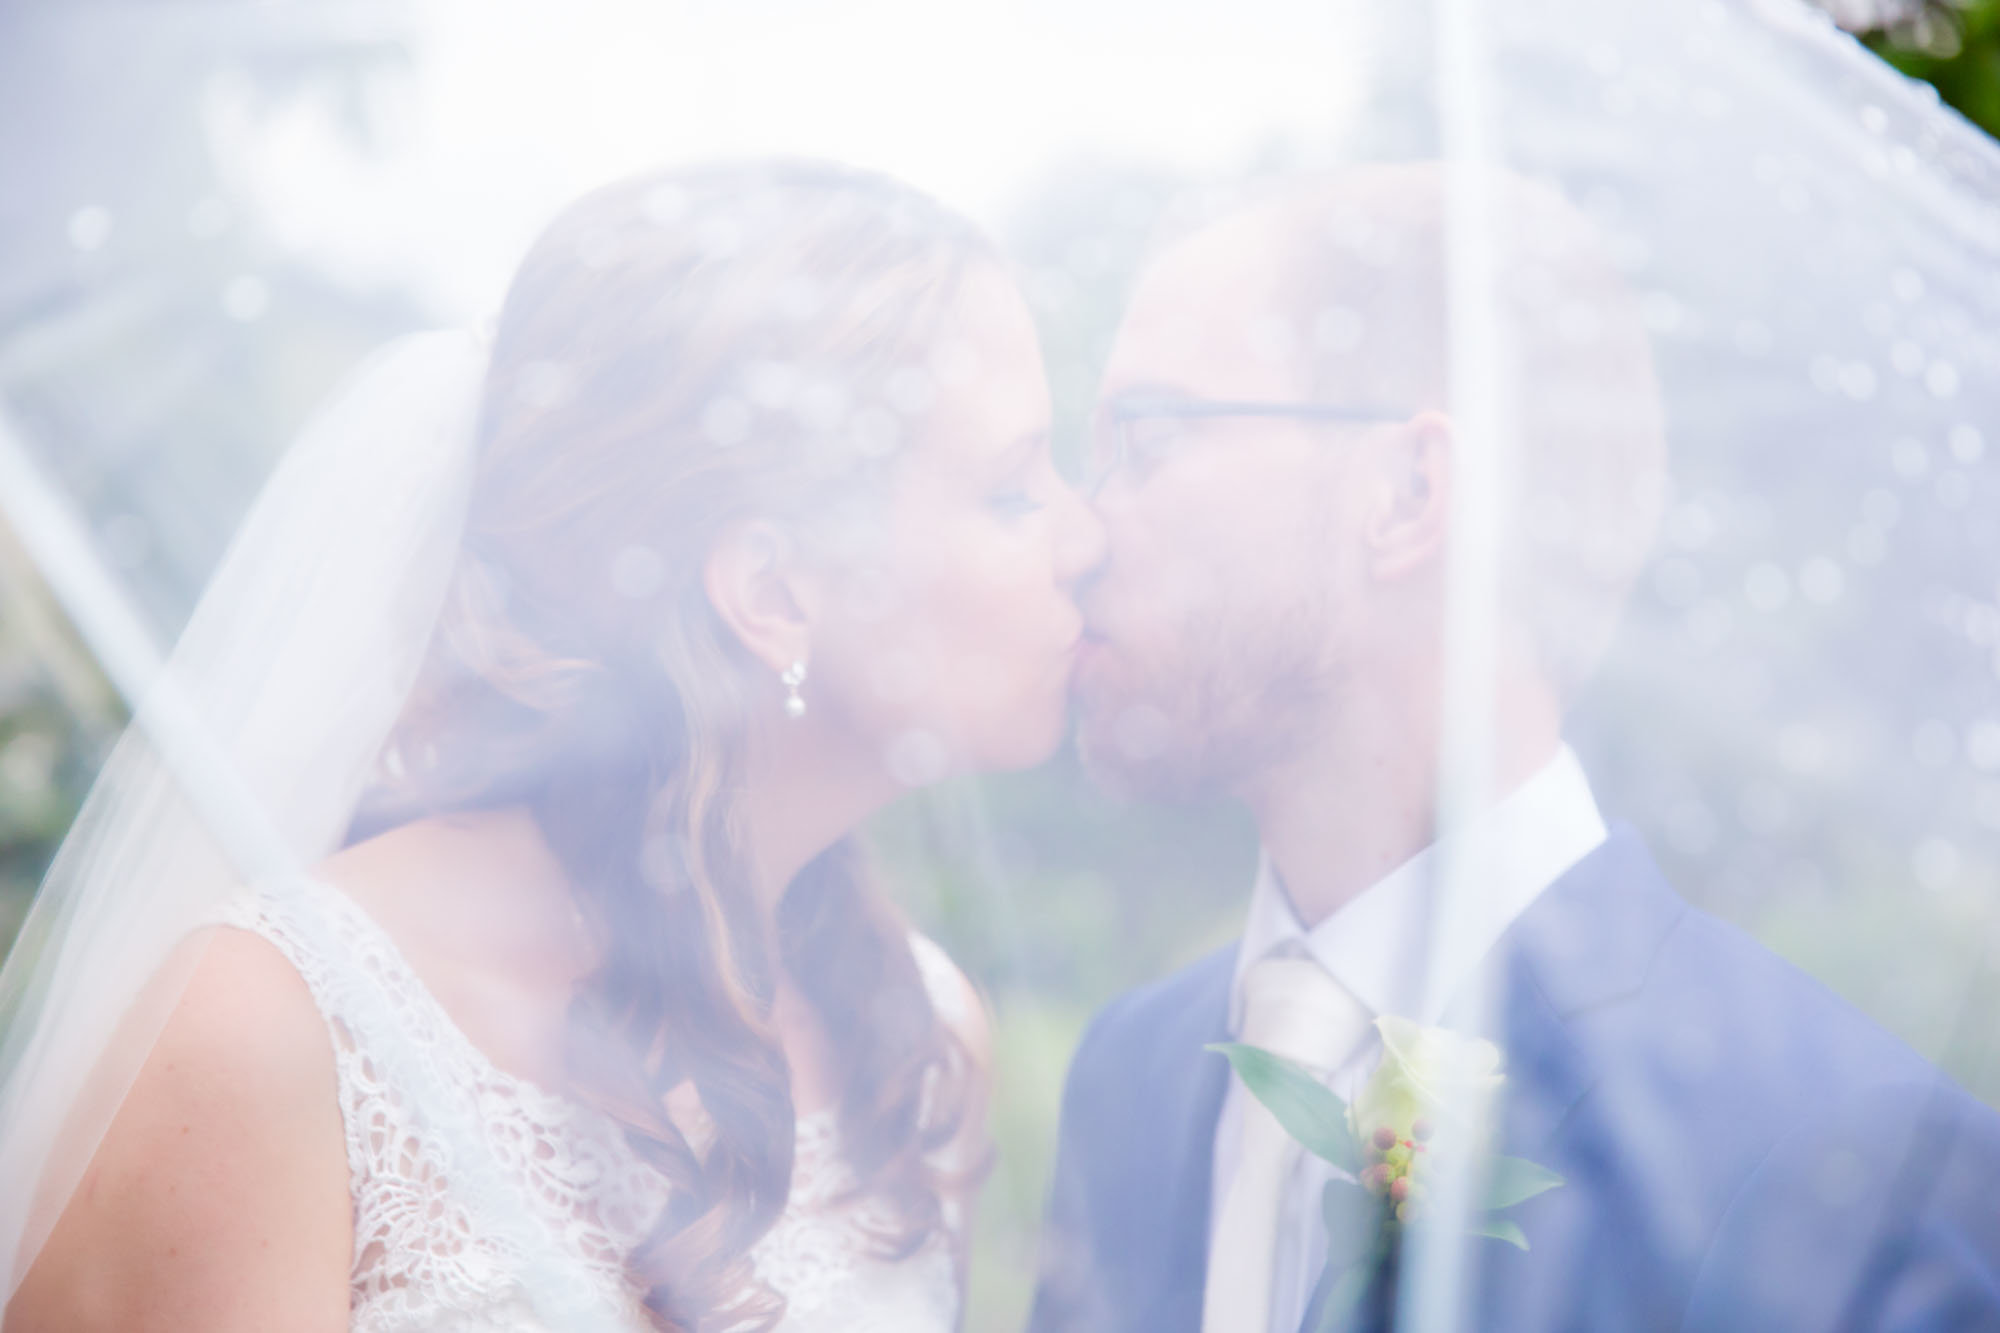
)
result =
(679, 352)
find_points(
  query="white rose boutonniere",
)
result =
(1423, 1104)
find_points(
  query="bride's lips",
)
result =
(1090, 649)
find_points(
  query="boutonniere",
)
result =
(1420, 1109)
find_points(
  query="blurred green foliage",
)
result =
(1953, 45)
(156, 350)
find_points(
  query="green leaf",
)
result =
(1354, 1220)
(1357, 1243)
(1308, 1112)
(1345, 1294)
(1499, 1228)
(1513, 1179)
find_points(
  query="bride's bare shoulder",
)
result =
(218, 1197)
(246, 1008)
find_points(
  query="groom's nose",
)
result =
(1112, 502)
(1081, 540)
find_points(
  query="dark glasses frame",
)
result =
(1121, 416)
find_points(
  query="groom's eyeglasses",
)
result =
(1135, 434)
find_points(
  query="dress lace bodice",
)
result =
(484, 1203)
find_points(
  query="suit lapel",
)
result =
(1587, 941)
(1194, 1082)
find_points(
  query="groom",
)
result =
(1740, 1148)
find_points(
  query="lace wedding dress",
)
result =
(484, 1203)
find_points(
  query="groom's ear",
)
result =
(1411, 514)
(752, 580)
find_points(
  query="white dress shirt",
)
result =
(1376, 947)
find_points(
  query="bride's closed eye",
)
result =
(1020, 492)
(1014, 502)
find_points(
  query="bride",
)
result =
(596, 1019)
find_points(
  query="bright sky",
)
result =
(515, 106)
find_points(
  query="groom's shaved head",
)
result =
(1334, 290)
(1586, 447)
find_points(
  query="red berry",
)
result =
(1421, 1130)
(1400, 1190)
(1385, 1138)
(1375, 1179)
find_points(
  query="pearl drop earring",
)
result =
(795, 676)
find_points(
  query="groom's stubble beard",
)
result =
(1227, 700)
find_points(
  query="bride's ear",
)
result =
(754, 583)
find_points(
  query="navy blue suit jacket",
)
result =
(1743, 1150)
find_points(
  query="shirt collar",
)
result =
(1375, 945)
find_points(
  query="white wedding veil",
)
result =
(1796, 707)
(1796, 704)
(249, 745)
